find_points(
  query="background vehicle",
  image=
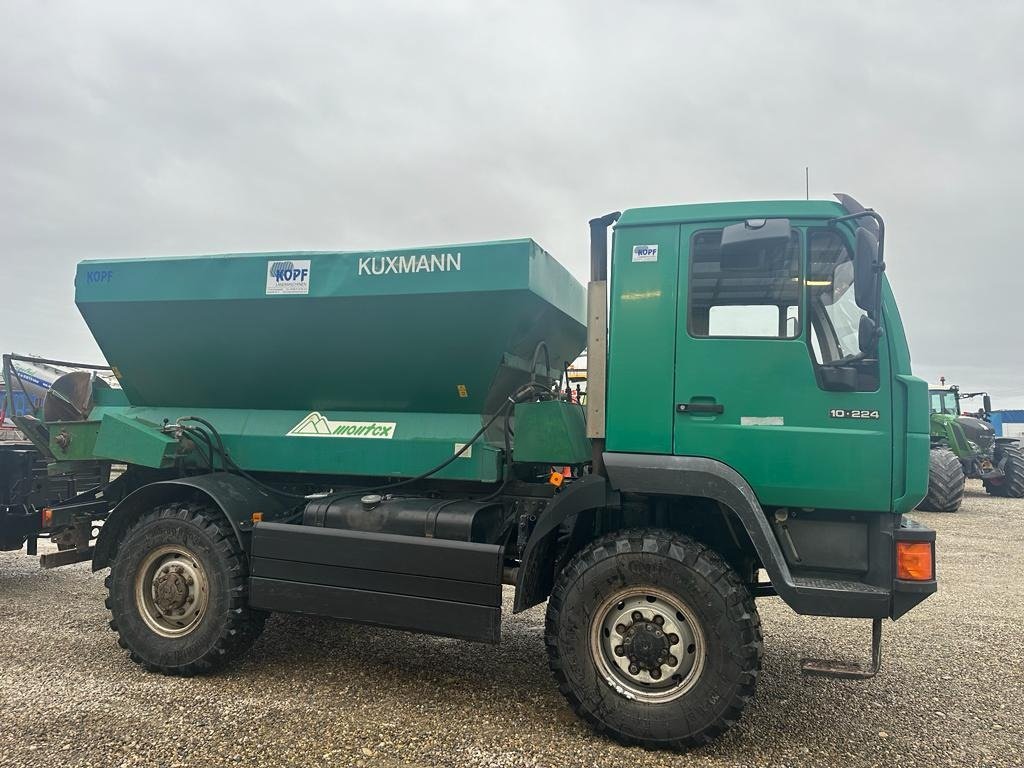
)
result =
(965, 446)
(30, 479)
(277, 461)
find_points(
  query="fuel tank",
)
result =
(482, 522)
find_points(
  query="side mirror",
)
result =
(867, 335)
(987, 403)
(865, 276)
(746, 244)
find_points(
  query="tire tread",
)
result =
(711, 565)
(242, 625)
(945, 482)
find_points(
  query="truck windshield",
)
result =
(944, 401)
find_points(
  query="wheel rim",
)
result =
(172, 591)
(647, 644)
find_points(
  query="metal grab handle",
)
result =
(700, 408)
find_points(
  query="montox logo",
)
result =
(288, 276)
(316, 425)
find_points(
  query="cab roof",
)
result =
(751, 209)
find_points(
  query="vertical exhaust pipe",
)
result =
(597, 336)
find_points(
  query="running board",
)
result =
(846, 670)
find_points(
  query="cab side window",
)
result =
(835, 316)
(757, 296)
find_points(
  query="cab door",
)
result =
(764, 380)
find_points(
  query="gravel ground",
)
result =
(316, 692)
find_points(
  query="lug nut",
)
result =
(655, 673)
(620, 628)
(619, 650)
(673, 639)
(672, 661)
(634, 669)
(659, 620)
(189, 580)
(637, 616)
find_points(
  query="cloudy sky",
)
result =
(140, 128)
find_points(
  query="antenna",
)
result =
(807, 181)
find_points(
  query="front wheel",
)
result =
(177, 592)
(653, 638)
(1011, 485)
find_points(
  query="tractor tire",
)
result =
(653, 639)
(945, 482)
(1012, 485)
(178, 592)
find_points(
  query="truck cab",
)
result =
(757, 359)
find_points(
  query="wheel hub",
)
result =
(171, 591)
(647, 644)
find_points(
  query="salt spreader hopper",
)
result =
(404, 350)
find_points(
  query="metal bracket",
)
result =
(65, 557)
(845, 670)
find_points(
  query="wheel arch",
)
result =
(236, 497)
(651, 475)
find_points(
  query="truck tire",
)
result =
(945, 482)
(1012, 485)
(653, 639)
(178, 591)
(11, 542)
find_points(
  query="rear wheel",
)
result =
(1012, 485)
(653, 639)
(945, 482)
(178, 592)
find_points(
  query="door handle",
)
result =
(700, 408)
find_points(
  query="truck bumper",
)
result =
(908, 593)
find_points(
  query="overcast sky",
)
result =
(137, 129)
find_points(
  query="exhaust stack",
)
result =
(597, 335)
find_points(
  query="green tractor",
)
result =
(964, 445)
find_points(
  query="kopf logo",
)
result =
(286, 271)
(99, 276)
(288, 276)
(645, 252)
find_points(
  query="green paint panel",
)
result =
(261, 441)
(124, 437)
(707, 213)
(551, 432)
(73, 440)
(424, 329)
(429, 340)
(777, 428)
(641, 341)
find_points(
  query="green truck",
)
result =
(384, 437)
